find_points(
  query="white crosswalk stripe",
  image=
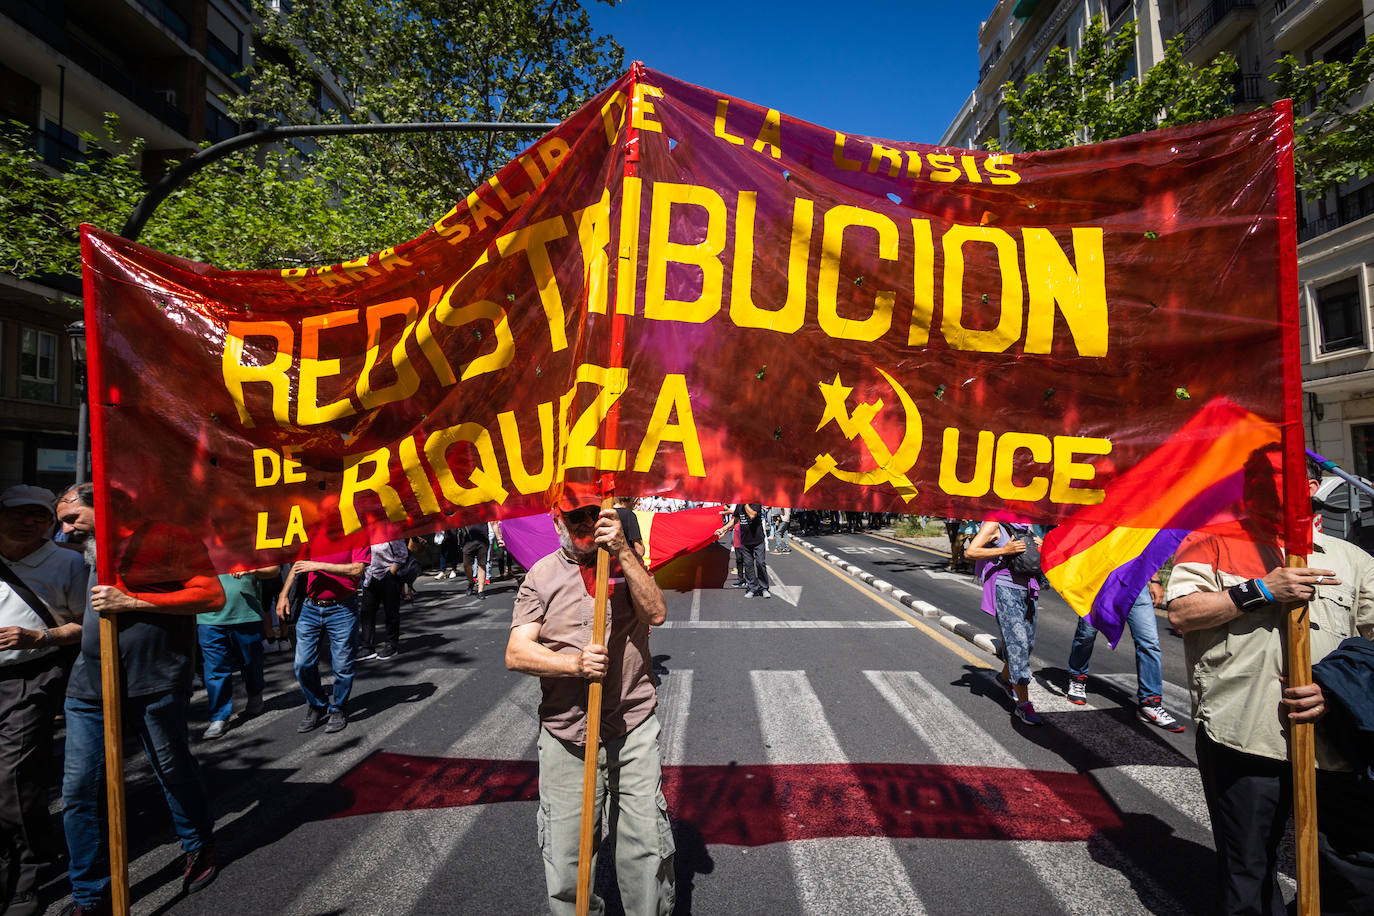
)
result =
(313, 763)
(409, 842)
(1082, 881)
(674, 703)
(850, 875)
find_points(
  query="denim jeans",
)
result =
(338, 622)
(160, 722)
(1144, 633)
(1016, 619)
(218, 646)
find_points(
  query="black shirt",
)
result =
(629, 524)
(750, 529)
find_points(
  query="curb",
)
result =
(985, 642)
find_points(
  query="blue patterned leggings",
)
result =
(1016, 618)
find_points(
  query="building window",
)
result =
(1116, 8)
(1340, 317)
(38, 366)
(1362, 446)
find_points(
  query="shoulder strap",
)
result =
(30, 598)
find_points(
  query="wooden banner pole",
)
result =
(1302, 752)
(592, 750)
(114, 765)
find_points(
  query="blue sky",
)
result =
(898, 71)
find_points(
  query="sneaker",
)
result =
(1152, 712)
(766, 594)
(314, 718)
(1007, 687)
(453, 573)
(216, 730)
(200, 869)
(441, 574)
(255, 706)
(77, 909)
(1078, 689)
(338, 721)
(386, 652)
(482, 595)
(471, 590)
(364, 653)
(749, 594)
(1026, 713)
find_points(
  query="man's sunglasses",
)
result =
(583, 516)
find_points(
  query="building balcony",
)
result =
(1215, 28)
(160, 103)
(168, 17)
(1349, 208)
(1298, 24)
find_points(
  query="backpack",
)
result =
(1026, 563)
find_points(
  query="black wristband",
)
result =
(1248, 596)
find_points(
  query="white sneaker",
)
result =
(1158, 715)
(1078, 690)
(441, 574)
(767, 593)
(217, 729)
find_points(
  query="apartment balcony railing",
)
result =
(168, 17)
(1349, 207)
(1207, 20)
(52, 31)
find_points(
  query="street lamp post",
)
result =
(76, 333)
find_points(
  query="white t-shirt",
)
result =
(58, 576)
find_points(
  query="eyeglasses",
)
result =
(582, 516)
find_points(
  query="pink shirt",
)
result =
(322, 586)
(555, 595)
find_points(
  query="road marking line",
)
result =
(695, 613)
(930, 631)
(1081, 879)
(415, 843)
(674, 704)
(860, 875)
(331, 762)
(786, 592)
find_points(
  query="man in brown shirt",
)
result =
(550, 634)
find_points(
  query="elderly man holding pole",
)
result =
(156, 621)
(550, 639)
(1228, 594)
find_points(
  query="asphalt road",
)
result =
(825, 751)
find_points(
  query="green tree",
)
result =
(1334, 142)
(1092, 97)
(325, 201)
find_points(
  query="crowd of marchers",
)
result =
(1225, 592)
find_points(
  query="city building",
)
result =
(162, 66)
(1336, 230)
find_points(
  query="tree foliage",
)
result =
(1092, 97)
(313, 202)
(1334, 142)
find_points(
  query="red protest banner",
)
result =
(805, 318)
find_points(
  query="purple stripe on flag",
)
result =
(1123, 585)
(1113, 601)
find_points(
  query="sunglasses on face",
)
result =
(584, 516)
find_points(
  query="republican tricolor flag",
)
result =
(1190, 481)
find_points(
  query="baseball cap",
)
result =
(26, 495)
(577, 494)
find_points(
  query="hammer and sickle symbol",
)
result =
(892, 465)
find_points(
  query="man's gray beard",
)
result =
(566, 542)
(88, 551)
